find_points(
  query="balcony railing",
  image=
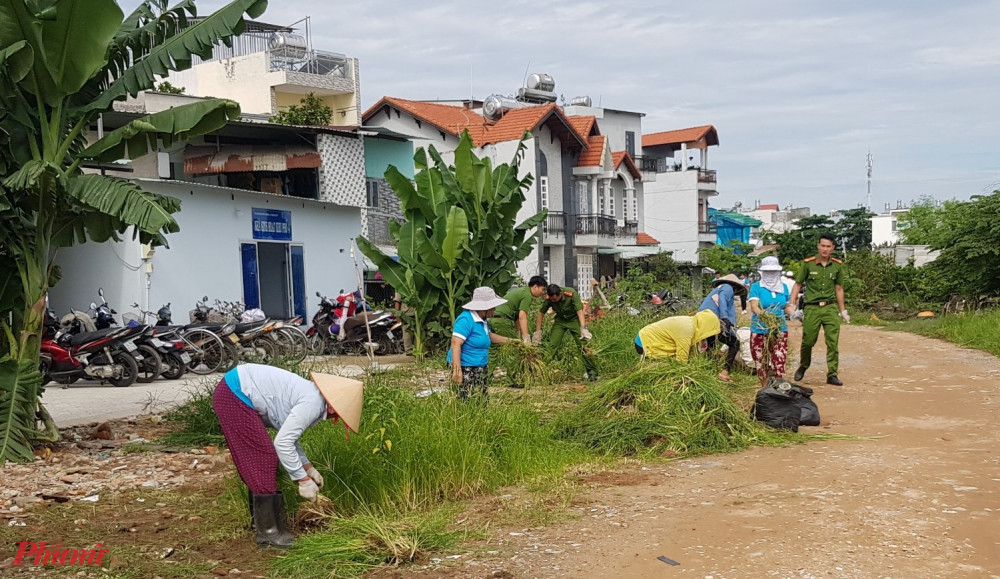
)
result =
(667, 165)
(554, 224)
(630, 228)
(706, 176)
(707, 227)
(601, 225)
(648, 164)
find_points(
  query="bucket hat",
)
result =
(770, 263)
(484, 298)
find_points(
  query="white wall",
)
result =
(504, 153)
(669, 211)
(884, 230)
(204, 258)
(245, 79)
(403, 123)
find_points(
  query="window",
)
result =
(635, 206)
(545, 269)
(371, 193)
(543, 191)
(630, 143)
(611, 204)
(601, 194)
(582, 197)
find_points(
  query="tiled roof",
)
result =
(594, 154)
(512, 125)
(583, 124)
(769, 207)
(453, 119)
(450, 119)
(622, 156)
(645, 239)
(679, 136)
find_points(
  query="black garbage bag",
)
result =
(785, 405)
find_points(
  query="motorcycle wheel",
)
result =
(386, 345)
(232, 356)
(173, 367)
(130, 369)
(317, 344)
(150, 366)
(206, 351)
(262, 349)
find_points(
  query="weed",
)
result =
(976, 330)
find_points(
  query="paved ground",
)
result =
(89, 401)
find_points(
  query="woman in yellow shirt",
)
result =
(675, 336)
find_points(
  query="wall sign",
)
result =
(272, 224)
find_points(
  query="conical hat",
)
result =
(738, 286)
(344, 395)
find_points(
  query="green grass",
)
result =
(975, 330)
(667, 407)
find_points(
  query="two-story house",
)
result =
(677, 200)
(592, 189)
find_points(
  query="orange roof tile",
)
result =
(585, 125)
(769, 207)
(594, 155)
(645, 239)
(622, 156)
(691, 135)
(450, 119)
(512, 125)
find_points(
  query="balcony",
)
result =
(707, 227)
(630, 228)
(554, 228)
(706, 176)
(595, 230)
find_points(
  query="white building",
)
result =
(885, 227)
(773, 219)
(677, 196)
(268, 214)
(593, 191)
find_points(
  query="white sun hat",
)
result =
(484, 298)
(770, 263)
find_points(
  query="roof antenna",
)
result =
(526, 69)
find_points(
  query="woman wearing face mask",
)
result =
(769, 295)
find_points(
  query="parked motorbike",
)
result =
(147, 355)
(101, 355)
(337, 329)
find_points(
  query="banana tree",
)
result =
(62, 64)
(459, 232)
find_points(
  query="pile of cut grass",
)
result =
(666, 407)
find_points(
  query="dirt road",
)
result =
(919, 496)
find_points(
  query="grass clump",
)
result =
(976, 330)
(665, 408)
(198, 424)
(524, 363)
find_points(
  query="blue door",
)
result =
(251, 283)
(298, 282)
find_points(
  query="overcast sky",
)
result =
(799, 91)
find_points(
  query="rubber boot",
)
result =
(269, 517)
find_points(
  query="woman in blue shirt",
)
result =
(769, 346)
(721, 302)
(471, 339)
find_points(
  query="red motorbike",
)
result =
(102, 355)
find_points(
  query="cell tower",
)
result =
(868, 160)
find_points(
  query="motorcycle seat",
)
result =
(84, 337)
(251, 326)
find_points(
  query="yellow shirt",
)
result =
(674, 336)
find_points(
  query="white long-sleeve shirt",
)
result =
(285, 401)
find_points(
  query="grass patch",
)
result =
(196, 420)
(666, 408)
(975, 330)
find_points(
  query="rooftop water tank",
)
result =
(288, 44)
(495, 106)
(581, 101)
(541, 82)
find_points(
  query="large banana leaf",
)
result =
(126, 202)
(456, 238)
(16, 61)
(74, 44)
(177, 124)
(175, 53)
(17, 405)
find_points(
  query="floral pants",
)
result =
(775, 358)
(474, 381)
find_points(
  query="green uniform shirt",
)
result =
(821, 281)
(567, 308)
(518, 300)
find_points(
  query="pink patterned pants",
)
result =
(773, 360)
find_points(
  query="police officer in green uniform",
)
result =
(568, 307)
(823, 276)
(511, 319)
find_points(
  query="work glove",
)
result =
(537, 336)
(526, 339)
(845, 316)
(456, 375)
(586, 334)
(314, 475)
(797, 315)
(308, 490)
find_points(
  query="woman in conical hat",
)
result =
(252, 397)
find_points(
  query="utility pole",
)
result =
(868, 160)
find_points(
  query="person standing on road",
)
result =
(823, 276)
(511, 318)
(568, 307)
(770, 344)
(252, 397)
(471, 339)
(721, 302)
